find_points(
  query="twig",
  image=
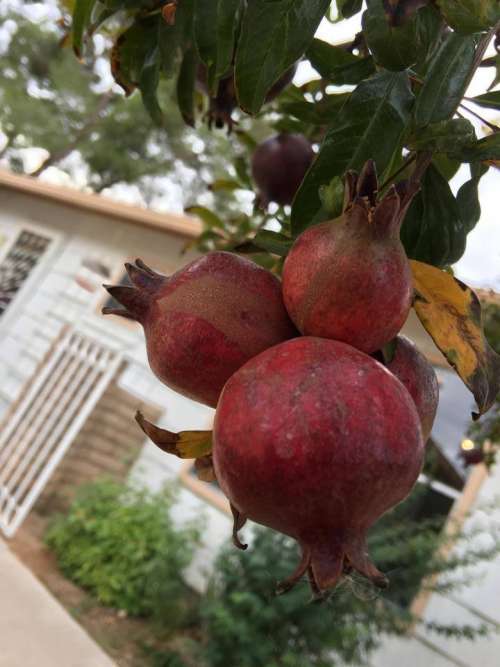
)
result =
(492, 126)
(405, 164)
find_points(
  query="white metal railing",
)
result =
(39, 430)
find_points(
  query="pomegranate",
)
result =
(410, 366)
(205, 321)
(278, 166)
(349, 279)
(224, 102)
(317, 440)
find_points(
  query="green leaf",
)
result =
(468, 197)
(394, 48)
(215, 25)
(226, 184)
(370, 125)
(338, 65)
(445, 165)
(446, 80)
(135, 50)
(398, 12)
(81, 18)
(348, 8)
(175, 39)
(208, 217)
(468, 16)
(433, 230)
(489, 100)
(148, 84)
(332, 197)
(484, 150)
(443, 137)
(274, 35)
(186, 85)
(322, 112)
(273, 242)
(241, 167)
(429, 29)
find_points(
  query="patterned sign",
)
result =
(18, 264)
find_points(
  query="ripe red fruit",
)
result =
(411, 368)
(278, 166)
(205, 321)
(317, 440)
(349, 279)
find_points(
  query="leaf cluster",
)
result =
(121, 544)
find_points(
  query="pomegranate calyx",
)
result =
(239, 520)
(135, 299)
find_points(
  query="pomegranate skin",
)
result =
(349, 279)
(317, 440)
(411, 368)
(278, 166)
(205, 321)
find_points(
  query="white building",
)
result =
(70, 377)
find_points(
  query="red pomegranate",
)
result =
(205, 321)
(317, 440)
(411, 368)
(224, 102)
(278, 166)
(349, 279)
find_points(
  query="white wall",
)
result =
(51, 298)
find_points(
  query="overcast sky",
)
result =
(480, 265)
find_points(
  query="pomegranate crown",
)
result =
(361, 199)
(137, 297)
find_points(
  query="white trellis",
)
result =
(53, 408)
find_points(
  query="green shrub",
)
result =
(121, 545)
(246, 625)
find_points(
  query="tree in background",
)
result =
(46, 102)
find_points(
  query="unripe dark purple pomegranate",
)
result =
(411, 368)
(279, 165)
(224, 102)
(349, 279)
(317, 440)
(205, 321)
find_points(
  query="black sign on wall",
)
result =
(18, 264)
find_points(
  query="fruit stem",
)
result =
(492, 126)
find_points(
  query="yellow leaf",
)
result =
(451, 314)
(185, 445)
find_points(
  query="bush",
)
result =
(121, 545)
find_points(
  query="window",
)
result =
(19, 262)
